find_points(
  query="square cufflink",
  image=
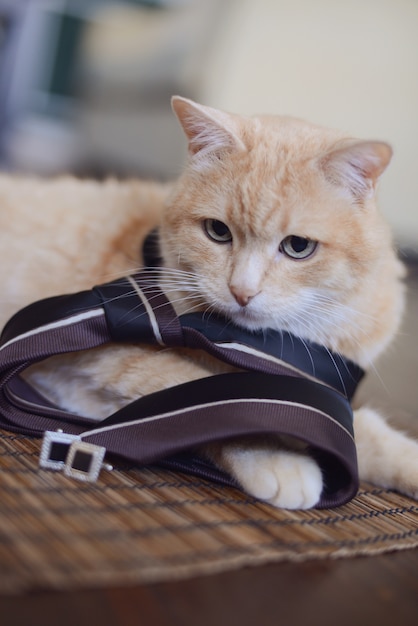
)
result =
(55, 447)
(76, 458)
(84, 461)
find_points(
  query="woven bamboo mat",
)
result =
(143, 525)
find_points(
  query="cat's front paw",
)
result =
(285, 479)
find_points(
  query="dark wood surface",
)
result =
(350, 592)
(380, 590)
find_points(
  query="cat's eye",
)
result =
(298, 247)
(217, 230)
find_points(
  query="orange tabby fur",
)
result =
(266, 178)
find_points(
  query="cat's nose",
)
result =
(242, 296)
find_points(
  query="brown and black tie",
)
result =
(289, 386)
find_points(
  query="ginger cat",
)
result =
(273, 223)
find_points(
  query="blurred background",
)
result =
(85, 85)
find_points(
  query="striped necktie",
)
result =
(289, 387)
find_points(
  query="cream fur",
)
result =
(266, 178)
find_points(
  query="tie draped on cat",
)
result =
(272, 224)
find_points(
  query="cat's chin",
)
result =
(245, 318)
(256, 322)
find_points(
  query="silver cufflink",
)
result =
(76, 458)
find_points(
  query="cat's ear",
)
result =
(209, 131)
(357, 167)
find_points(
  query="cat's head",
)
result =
(274, 223)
